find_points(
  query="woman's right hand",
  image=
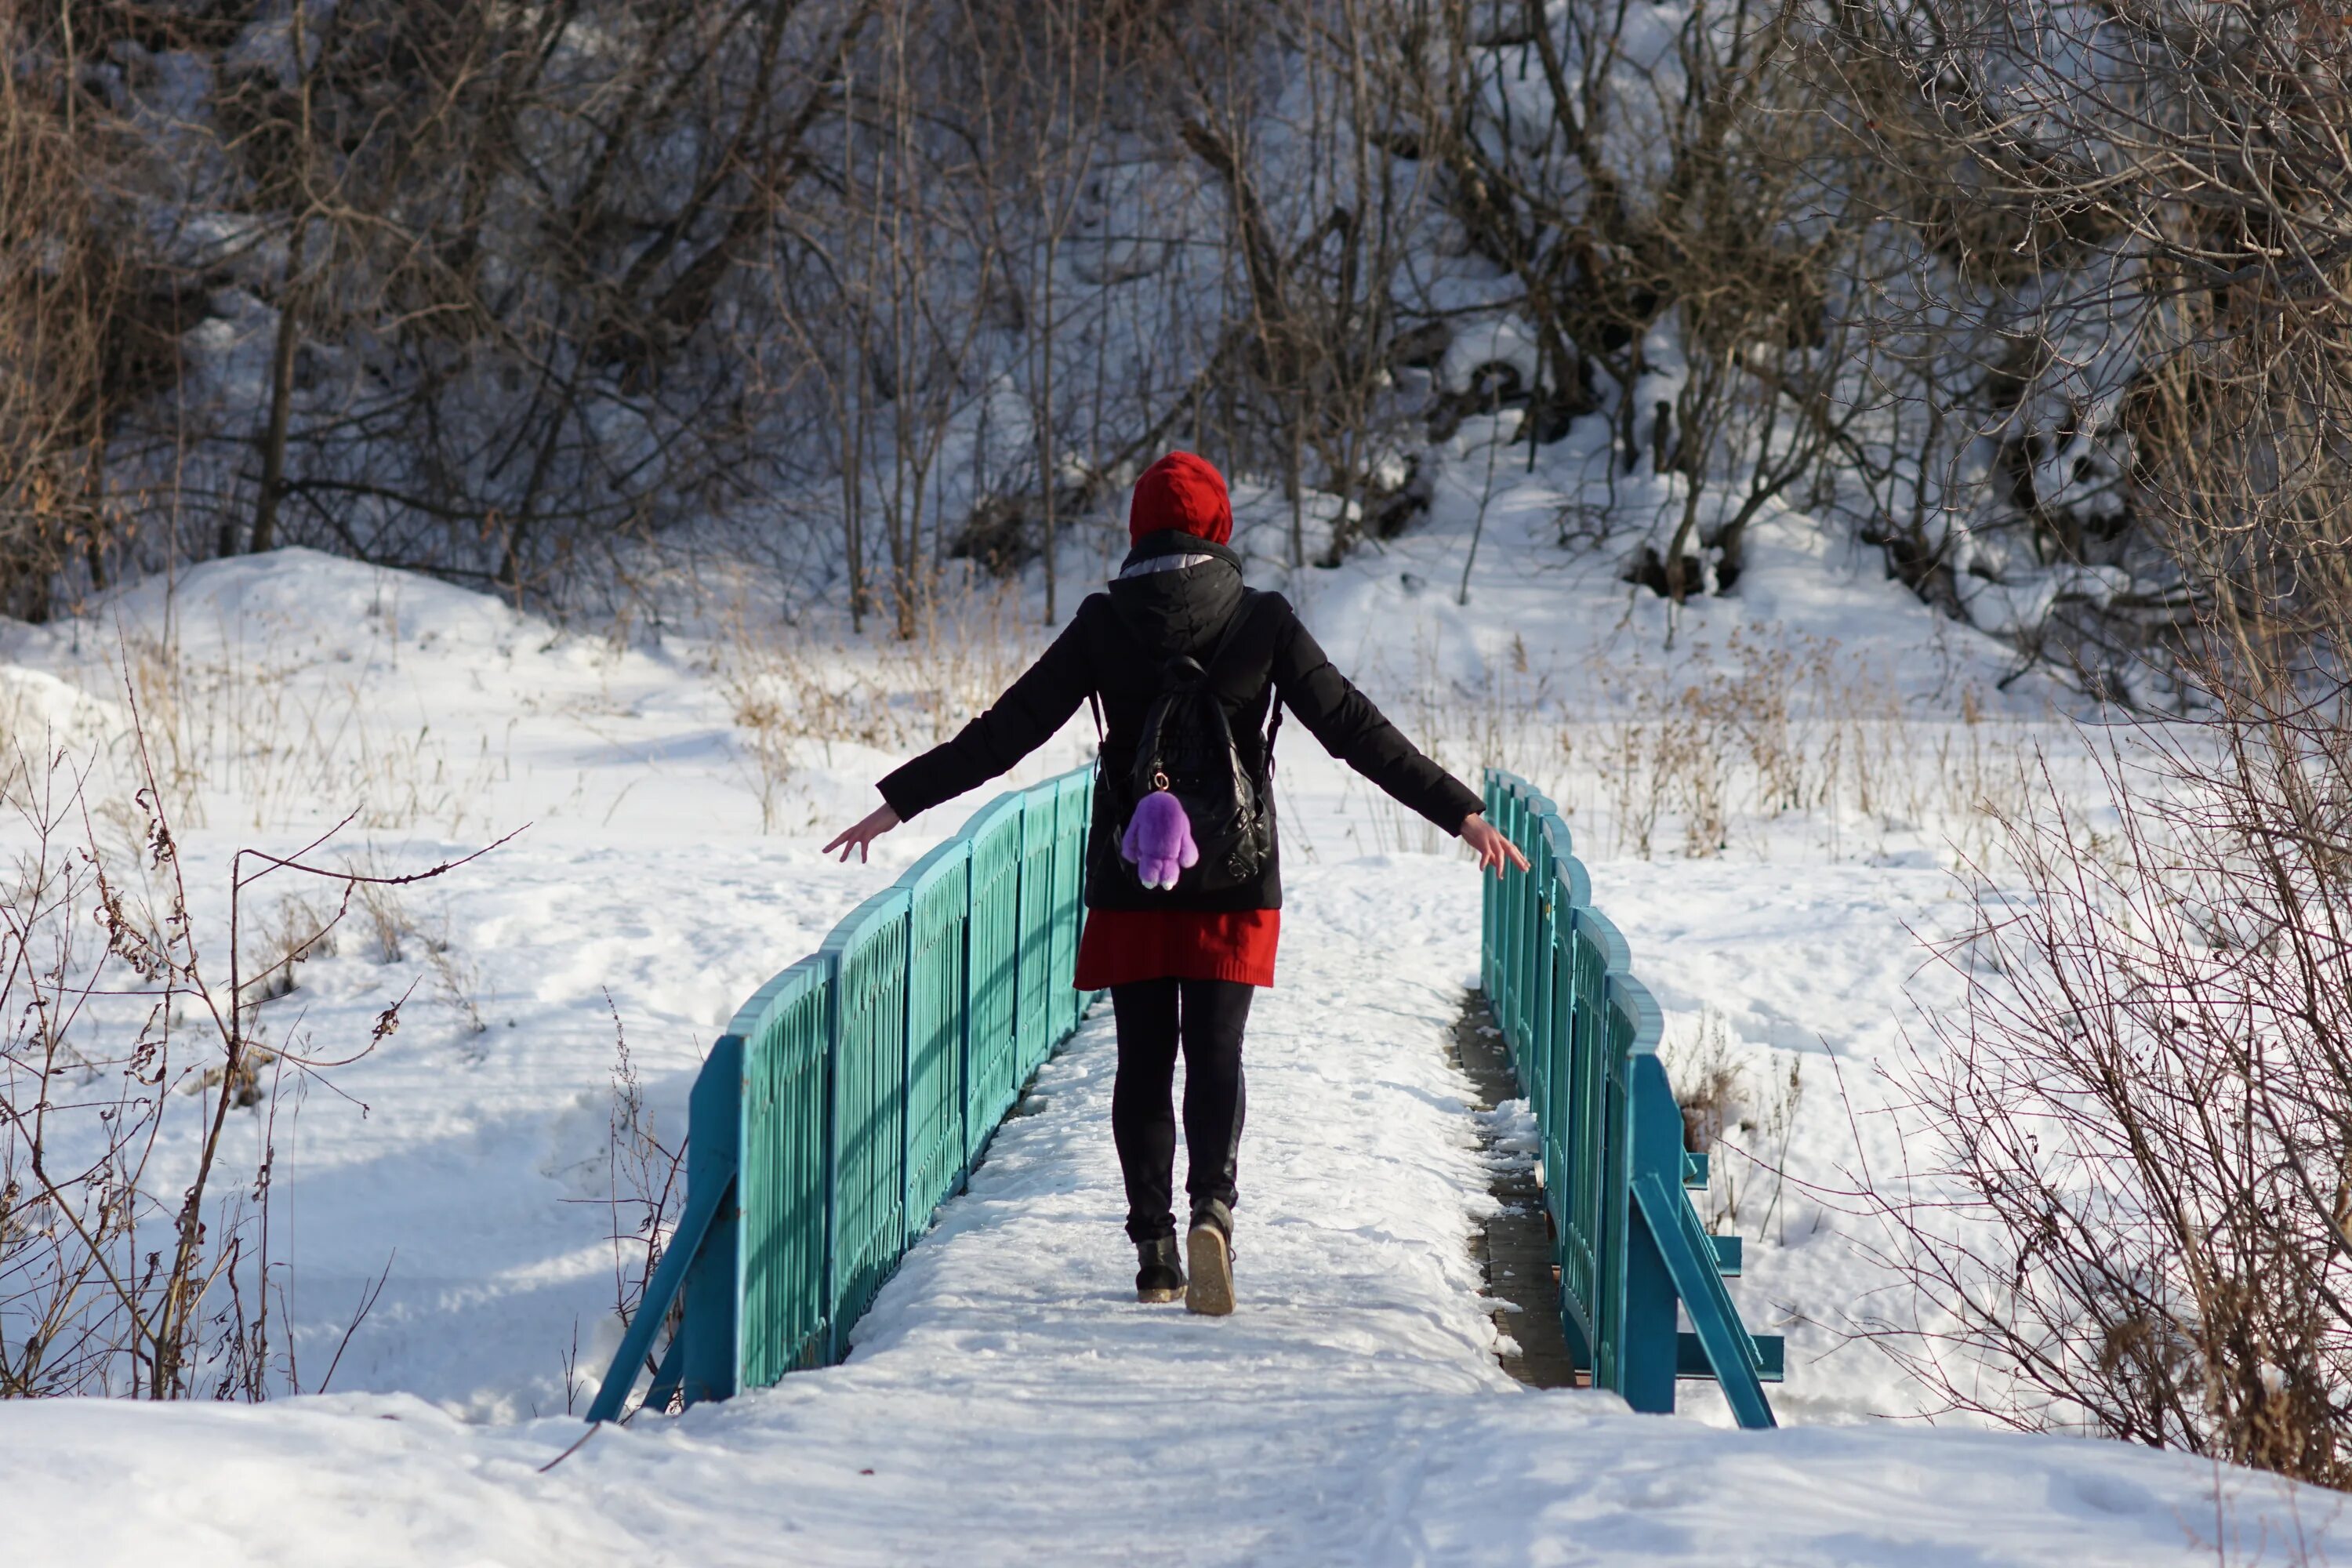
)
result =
(1487, 842)
(876, 822)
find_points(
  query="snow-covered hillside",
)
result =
(1006, 1400)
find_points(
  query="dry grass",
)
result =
(795, 697)
(255, 729)
(394, 934)
(279, 940)
(1739, 1108)
(1775, 740)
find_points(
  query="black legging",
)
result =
(1213, 1014)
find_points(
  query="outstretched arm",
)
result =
(1021, 721)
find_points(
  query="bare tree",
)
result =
(86, 329)
(1645, 189)
(2142, 1114)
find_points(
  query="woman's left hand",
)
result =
(876, 824)
(1486, 841)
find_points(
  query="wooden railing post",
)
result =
(714, 1150)
(1648, 1356)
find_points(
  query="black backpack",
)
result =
(1187, 748)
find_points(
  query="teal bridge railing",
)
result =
(853, 1093)
(1584, 1039)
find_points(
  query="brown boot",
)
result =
(1210, 1248)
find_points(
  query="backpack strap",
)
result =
(1250, 600)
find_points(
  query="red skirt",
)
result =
(1123, 945)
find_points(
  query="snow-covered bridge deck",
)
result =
(1006, 1389)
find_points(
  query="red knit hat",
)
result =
(1182, 492)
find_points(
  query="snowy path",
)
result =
(1009, 1402)
(1015, 1391)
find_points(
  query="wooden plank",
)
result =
(1729, 1350)
(668, 1376)
(1691, 1363)
(669, 1277)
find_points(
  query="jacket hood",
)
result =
(1182, 611)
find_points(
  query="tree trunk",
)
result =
(281, 399)
(1046, 427)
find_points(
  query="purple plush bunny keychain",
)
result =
(1159, 840)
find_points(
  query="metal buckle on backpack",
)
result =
(1159, 780)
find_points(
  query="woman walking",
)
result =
(1179, 943)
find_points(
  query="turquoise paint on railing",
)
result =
(1583, 1034)
(783, 1122)
(852, 1094)
(993, 961)
(939, 891)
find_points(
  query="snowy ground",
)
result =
(1007, 1401)
(1007, 1398)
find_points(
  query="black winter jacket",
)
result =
(1115, 645)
